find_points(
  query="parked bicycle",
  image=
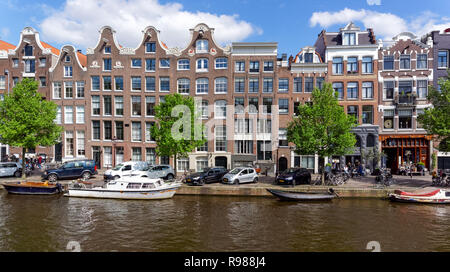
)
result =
(441, 179)
(385, 177)
(332, 179)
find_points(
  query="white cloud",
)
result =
(4, 32)
(385, 25)
(78, 22)
(374, 2)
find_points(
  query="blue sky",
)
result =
(293, 24)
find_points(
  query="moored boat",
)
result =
(33, 188)
(429, 196)
(126, 188)
(301, 196)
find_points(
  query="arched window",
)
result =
(220, 109)
(370, 140)
(202, 65)
(201, 86)
(201, 46)
(221, 85)
(183, 85)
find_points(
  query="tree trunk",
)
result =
(23, 163)
(175, 164)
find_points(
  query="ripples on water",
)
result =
(193, 223)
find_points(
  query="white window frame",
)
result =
(216, 84)
(68, 113)
(179, 66)
(204, 62)
(201, 46)
(80, 114)
(202, 84)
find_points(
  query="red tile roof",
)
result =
(53, 49)
(5, 46)
(82, 58)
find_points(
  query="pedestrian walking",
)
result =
(39, 162)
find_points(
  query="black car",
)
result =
(299, 175)
(72, 169)
(208, 175)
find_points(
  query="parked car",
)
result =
(208, 175)
(240, 175)
(10, 169)
(84, 169)
(299, 175)
(163, 171)
(126, 169)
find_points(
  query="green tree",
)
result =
(179, 130)
(322, 127)
(436, 120)
(27, 120)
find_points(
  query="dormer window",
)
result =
(309, 58)
(107, 50)
(201, 46)
(349, 39)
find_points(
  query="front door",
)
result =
(58, 152)
(282, 164)
(221, 162)
(96, 154)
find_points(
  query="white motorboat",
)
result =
(126, 188)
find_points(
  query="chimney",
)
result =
(79, 51)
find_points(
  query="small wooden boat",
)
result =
(126, 188)
(429, 196)
(33, 188)
(298, 196)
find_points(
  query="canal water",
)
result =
(203, 223)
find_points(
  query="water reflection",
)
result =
(194, 223)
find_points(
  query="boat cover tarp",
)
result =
(417, 193)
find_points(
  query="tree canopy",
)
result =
(436, 120)
(322, 127)
(27, 120)
(178, 131)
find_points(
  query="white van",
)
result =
(125, 169)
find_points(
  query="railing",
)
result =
(406, 99)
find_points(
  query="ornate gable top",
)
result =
(350, 27)
(405, 36)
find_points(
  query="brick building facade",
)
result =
(405, 72)
(247, 93)
(352, 57)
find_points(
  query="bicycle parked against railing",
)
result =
(332, 179)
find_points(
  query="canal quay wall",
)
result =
(361, 188)
(261, 190)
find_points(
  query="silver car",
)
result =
(159, 171)
(9, 169)
(240, 175)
